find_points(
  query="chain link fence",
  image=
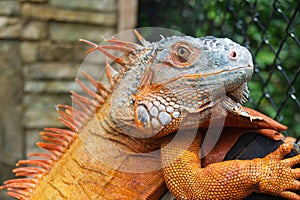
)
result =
(270, 29)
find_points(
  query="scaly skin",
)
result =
(105, 153)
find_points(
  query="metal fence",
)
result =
(270, 29)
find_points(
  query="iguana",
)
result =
(111, 149)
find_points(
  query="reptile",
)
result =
(142, 134)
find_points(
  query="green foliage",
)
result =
(265, 27)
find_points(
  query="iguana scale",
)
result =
(177, 83)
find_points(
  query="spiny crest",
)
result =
(57, 141)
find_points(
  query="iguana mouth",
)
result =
(200, 76)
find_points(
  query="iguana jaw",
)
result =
(151, 106)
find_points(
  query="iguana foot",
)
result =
(276, 175)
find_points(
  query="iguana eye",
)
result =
(183, 53)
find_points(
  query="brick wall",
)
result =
(39, 58)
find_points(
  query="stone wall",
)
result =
(39, 58)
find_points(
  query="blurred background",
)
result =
(40, 54)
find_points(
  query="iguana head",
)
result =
(164, 81)
(190, 75)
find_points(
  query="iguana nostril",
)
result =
(233, 55)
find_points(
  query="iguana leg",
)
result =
(234, 179)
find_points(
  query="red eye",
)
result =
(233, 55)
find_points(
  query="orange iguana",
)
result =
(121, 143)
